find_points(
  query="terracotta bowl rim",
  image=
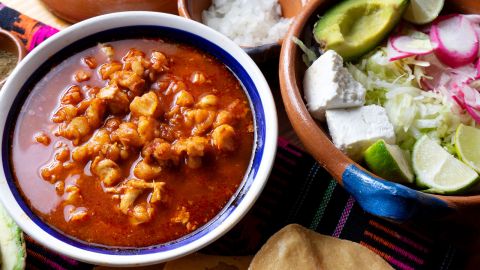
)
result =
(293, 101)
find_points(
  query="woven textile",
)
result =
(300, 191)
(30, 31)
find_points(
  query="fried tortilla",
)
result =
(295, 247)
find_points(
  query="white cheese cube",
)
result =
(328, 85)
(354, 130)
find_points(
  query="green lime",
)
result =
(389, 162)
(423, 11)
(439, 170)
(467, 145)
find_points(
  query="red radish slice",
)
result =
(436, 72)
(468, 99)
(459, 102)
(471, 96)
(474, 18)
(475, 114)
(413, 42)
(393, 54)
(454, 40)
(463, 74)
(477, 67)
(439, 75)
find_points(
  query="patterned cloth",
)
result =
(298, 191)
(30, 31)
(403, 248)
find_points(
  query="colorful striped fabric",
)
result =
(40, 258)
(299, 191)
(28, 30)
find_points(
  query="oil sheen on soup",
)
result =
(133, 143)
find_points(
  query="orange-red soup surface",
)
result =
(133, 143)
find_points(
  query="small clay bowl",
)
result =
(376, 195)
(78, 10)
(10, 43)
(192, 9)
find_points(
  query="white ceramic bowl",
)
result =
(127, 25)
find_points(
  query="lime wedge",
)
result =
(389, 162)
(423, 11)
(467, 146)
(439, 170)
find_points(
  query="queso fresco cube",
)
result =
(354, 130)
(328, 85)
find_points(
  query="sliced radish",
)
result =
(467, 98)
(406, 42)
(474, 18)
(463, 74)
(393, 54)
(454, 40)
(436, 73)
(477, 67)
(475, 114)
(413, 42)
(471, 96)
(460, 102)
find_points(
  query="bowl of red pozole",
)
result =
(134, 138)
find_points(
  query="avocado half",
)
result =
(12, 245)
(355, 27)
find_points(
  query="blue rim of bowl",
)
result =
(135, 32)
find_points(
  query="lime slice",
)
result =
(389, 162)
(423, 11)
(439, 170)
(467, 146)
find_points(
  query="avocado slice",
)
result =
(12, 245)
(355, 27)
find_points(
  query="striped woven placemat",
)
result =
(298, 191)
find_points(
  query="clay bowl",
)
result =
(192, 9)
(376, 196)
(78, 10)
(10, 43)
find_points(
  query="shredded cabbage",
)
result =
(395, 85)
(309, 56)
(376, 96)
(412, 111)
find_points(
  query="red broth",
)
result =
(79, 170)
